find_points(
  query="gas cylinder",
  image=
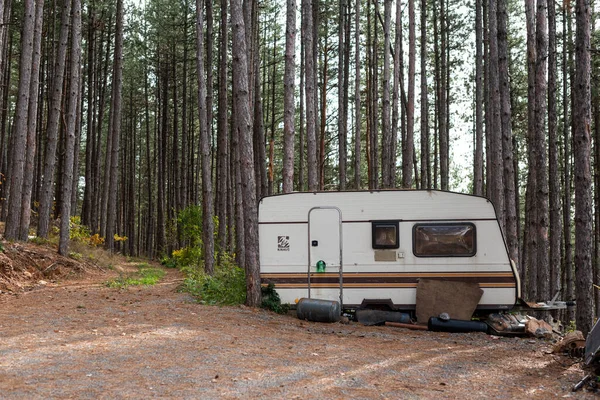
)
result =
(318, 310)
(456, 325)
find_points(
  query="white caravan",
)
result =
(370, 248)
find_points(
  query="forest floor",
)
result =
(65, 334)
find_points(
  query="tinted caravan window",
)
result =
(444, 240)
(385, 234)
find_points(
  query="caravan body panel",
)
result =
(374, 270)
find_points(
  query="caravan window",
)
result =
(444, 240)
(385, 234)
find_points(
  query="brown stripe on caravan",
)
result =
(398, 280)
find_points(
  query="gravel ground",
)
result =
(87, 341)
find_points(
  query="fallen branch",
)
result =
(407, 326)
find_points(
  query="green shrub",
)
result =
(168, 262)
(272, 301)
(227, 286)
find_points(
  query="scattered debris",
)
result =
(506, 324)
(582, 382)
(538, 328)
(572, 344)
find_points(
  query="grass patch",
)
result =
(145, 276)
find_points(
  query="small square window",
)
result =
(385, 235)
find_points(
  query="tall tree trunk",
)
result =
(73, 102)
(183, 182)
(373, 114)
(323, 115)
(222, 133)
(478, 167)
(495, 125)
(386, 134)
(398, 73)
(310, 90)
(487, 172)
(301, 126)
(530, 209)
(425, 169)
(207, 195)
(342, 88)
(19, 135)
(149, 171)
(566, 189)
(509, 184)
(260, 155)
(443, 99)
(357, 130)
(553, 158)
(288, 98)
(541, 194)
(408, 145)
(115, 130)
(32, 118)
(243, 128)
(86, 213)
(54, 113)
(257, 140)
(583, 179)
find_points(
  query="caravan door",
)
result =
(325, 272)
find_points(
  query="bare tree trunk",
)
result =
(73, 101)
(5, 74)
(243, 128)
(342, 89)
(583, 179)
(398, 73)
(53, 123)
(478, 167)
(541, 196)
(357, 130)
(310, 90)
(530, 210)
(207, 195)
(386, 134)
(509, 184)
(115, 130)
(443, 99)
(425, 170)
(19, 136)
(568, 123)
(553, 159)
(260, 156)
(323, 115)
(408, 145)
(495, 125)
(288, 96)
(86, 212)
(223, 134)
(32, 117)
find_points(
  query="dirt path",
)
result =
(84, 340)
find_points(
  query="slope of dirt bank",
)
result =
(25, 266)
(85, 340)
